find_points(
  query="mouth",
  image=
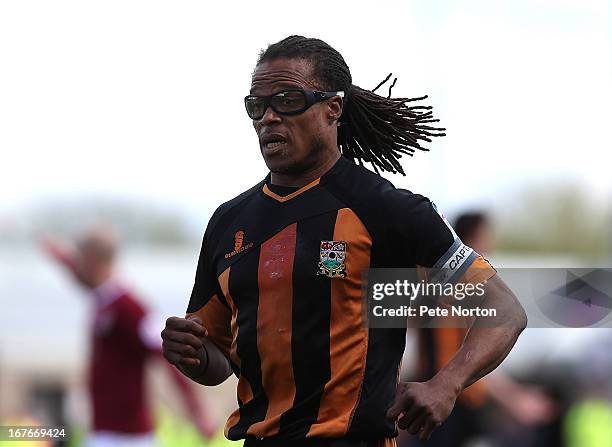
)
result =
(272, 142)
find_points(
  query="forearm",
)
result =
(214, 367)
(485, 347)
(186, 390)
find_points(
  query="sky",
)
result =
(143, 99)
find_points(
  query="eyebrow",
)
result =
(282, 86)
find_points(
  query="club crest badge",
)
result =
(331, 259)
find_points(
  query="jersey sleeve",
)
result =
(207, 301)
(426, 239)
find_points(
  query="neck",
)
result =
(101, 277)
(308, 175)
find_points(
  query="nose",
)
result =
(269, 117)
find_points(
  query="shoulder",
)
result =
(373, 194)
(232, 206)
(356, 186)
(353, 179)
(404, 204)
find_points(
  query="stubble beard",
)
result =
(297, 167)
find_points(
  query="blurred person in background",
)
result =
(527, 405)
(123, 339)
(474, 228)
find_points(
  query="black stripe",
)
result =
(385, 348)
(311, 325)
(244, 290)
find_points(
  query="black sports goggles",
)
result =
(289, 102)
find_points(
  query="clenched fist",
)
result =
(183, 344)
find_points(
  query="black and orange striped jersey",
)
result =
(279, 289)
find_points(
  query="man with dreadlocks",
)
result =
(277, 296)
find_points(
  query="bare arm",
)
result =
(420, 407)
(484, 348)
(66, 256)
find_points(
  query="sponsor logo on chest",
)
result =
(238, 244)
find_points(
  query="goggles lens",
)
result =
(291, 102)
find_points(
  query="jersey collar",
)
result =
(267, 191)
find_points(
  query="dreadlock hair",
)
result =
(373, 129)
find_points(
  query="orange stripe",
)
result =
(274, 324)
(480, 271)
(224, 283)
(272, 194)
(215, 316)
(348, 331)
(245, 394)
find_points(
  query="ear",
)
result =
(335, 106)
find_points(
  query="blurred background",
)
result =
(130, 114)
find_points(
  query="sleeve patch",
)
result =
(454, 262)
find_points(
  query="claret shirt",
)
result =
(279, 289)
(119, 352)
